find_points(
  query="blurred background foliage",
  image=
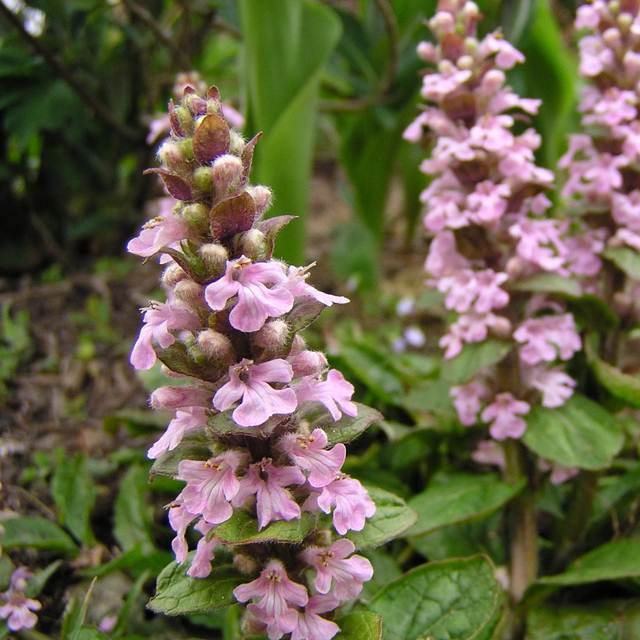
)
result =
(332, 84)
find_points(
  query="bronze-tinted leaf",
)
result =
(211, 138)
(233, 215)
(176, 128)
(175, 185)
(247, 155)
(305, 311)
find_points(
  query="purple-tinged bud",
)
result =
(172, 275)
(632, 62)
(501, 327)
(612, 38)
(215, 258)
(253, 244)
(190, 293)
(197, 216)
(177, 397)
(170, 155)
(493, 80)
(274, 338)
(308, 363)
(236, 143)
(297, 345)
(227, 174)
(515, 268)
(203, 180)
(427, 52)
(262, 197)
(217, 347)
(245, 564)
(195, 104)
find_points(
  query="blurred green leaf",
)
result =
(625, 259)
(35, 532)
(132, 515)
(74, 615)
(473, 358)
(347, 428)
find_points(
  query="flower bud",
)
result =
(625, 20)
(297, 345)
(612, 38)
(185, 119)
(262, 197)
(252, 244)
(427, 52)
(186, 148)
(515, 268)
(170, 155)
(190, 293)
(623, 303)
(245, 564)
(274, 338)
(227, 174)
(195, 104)
(172, 275)
(465, 62)
(216, 346)
(501, 327)
(308, 363)
(236, 143)
(203, 180)
(215, 258)
(197, 216)
(493, 80)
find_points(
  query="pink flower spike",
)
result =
(159, 232)
(467, 399)
(258, 299)
(310, 625)
(350, 502)
(297, 285)
(333, 565)
(275, 593)
(186, 420)
(211, 485)
(249, 383)
(547, 338)
(201, 563)
(309, 453)
(334, 393)
(179, 519)
(160, 320)
(503, 414)
(268, 483)
(555, 385)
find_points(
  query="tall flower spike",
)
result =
(240, 437)
(488, 218)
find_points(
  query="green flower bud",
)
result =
(253, 244)
(215, 258)
(197, 216)
(236, 143)
(203, 180)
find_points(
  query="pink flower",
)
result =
(548, 338)
(555, 386)
(160, 319)
(253, 283)
(503, 414)
(159, 232)
(297, 285)
(250, 383)
(333, 566)
(18, 610)
(540, 243)
(211, 485)
(275, 593)
(488, 203)
(310, 625)
(350, 501)
(179, 519)
(583, 252)
(180, 397)
(467, 399)
(309, 453)
(186, 419)
(268, 483)
(443, 258)
(489, 452)
(468, 328)
(334, 393)
(507, 56)
(477, 291)
(201, 563)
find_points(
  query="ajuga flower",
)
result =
(240, 439)
(488, 217)
(16, 608)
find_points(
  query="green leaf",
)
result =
(39, 579)
(347, 428)
(177, 594)
(615, 560)
(450, 600)
(242, 528)
(286, 46)
(74, 493)
(563, 623)
(360, 625)
(75, 614)
(621, 385)
(391, 519)
(593, 312)
(35, 532)
(549, 283)
(125, 612)
(580, 434)
(194, 446)
(625, 259)
(132, 515)
(454, 498)
(473, 358)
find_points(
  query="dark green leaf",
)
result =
(35, 532)
(39, 579)
(132, 515)
(450, 600)
(580, 434)
(242, 528)
(622, 385)
(563, 623)
(194, 446)
(473, 358)
(347, 428)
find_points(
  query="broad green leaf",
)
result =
(622, 385)
(611, 491)
(391, 519)
(455, 498)
(450, 600)
(286, 46)
(242, 528)
(549, 283)
(473, 358)
(39, 579)
(37, 533)
(177, 594)
(74, 615)
(385, 569)
(580, 434)
(563, 623)
(132, 515)
(625, 259)
(360, 625)
(432, 396)
(347, 428)
(74, 493)
(615, 560)
(194, 446)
